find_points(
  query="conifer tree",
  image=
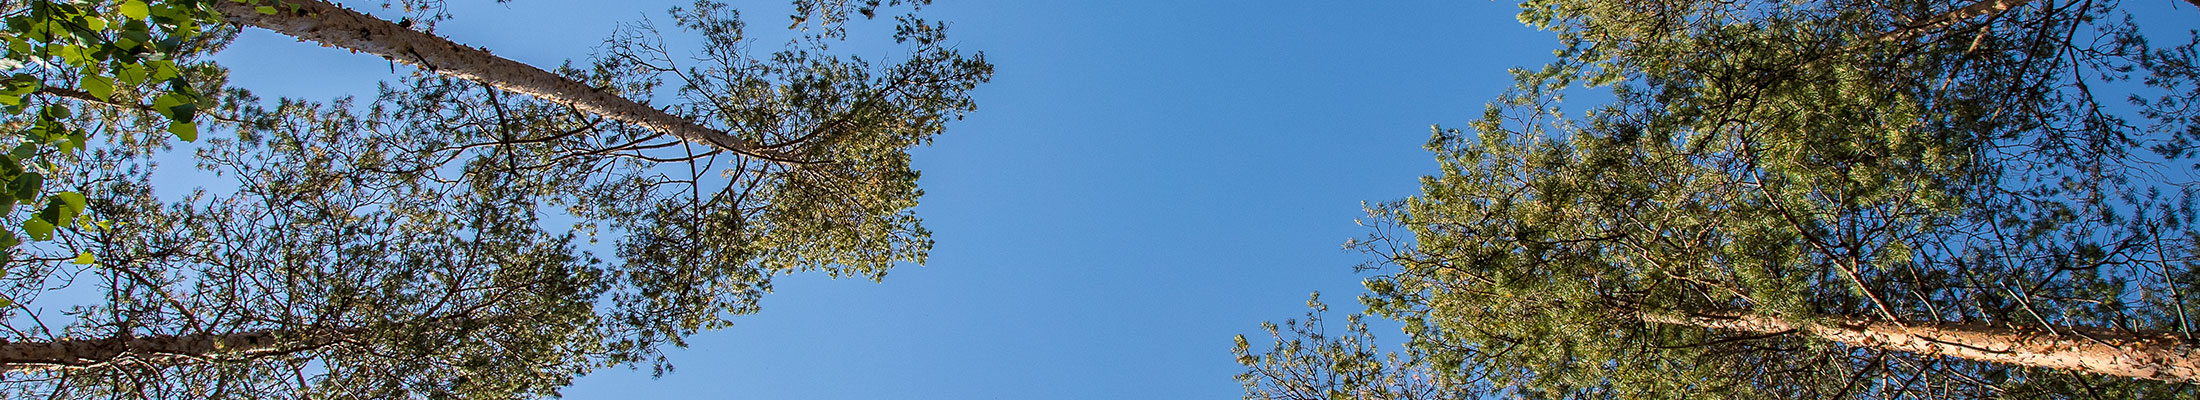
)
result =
(1813, 200)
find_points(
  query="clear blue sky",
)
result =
(1142, 180)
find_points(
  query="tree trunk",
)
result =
(159, 349)
(2154, 356)
(332, 25)
(1944, 20)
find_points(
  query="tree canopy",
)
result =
(439, 239)
(1802, 168)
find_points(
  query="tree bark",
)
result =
(158, 349)
(1944, 20)
(2154, 356)
(332, 25)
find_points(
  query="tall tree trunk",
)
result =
(333, 25)
(2154, 356)
(159, 349)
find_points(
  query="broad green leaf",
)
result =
(93, 22)
(135, 39)
(72, 54)
(83, 259)
(9, 167)
(38, 229)
(99, 86)
(55, 113)
(72, 204)
(54, 213)
(130, 74)
(21, 84)
(164, 13)
(76, 141)
(176, 106)
(162, 70)
(187, 131)
(135, 9)
(26, 186)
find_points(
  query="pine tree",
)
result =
(436, 240)
(1774, 183)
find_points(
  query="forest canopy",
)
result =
(439, 238)
(1822, 199)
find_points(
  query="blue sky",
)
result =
(1142, 180)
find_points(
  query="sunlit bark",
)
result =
(2137, 355)
(333, 25)
(1982, 8)
(156, 349)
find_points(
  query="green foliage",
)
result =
(1799, 160)
(1308, 361)
(100, 51)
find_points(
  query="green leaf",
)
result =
(164, 13)
(265, 10)
(135, 9)
(74, 55)
(176, 106)
(99, 86)
(21, 84)
(93, 22)
(26, 186)
(42, 131)
(76, 140)
(71, 203)
(134, 40)
(162, 70)
(83, 258)
(189, 132)
(38, 228)
(54, 214)
(130, 74)
(55, 113)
